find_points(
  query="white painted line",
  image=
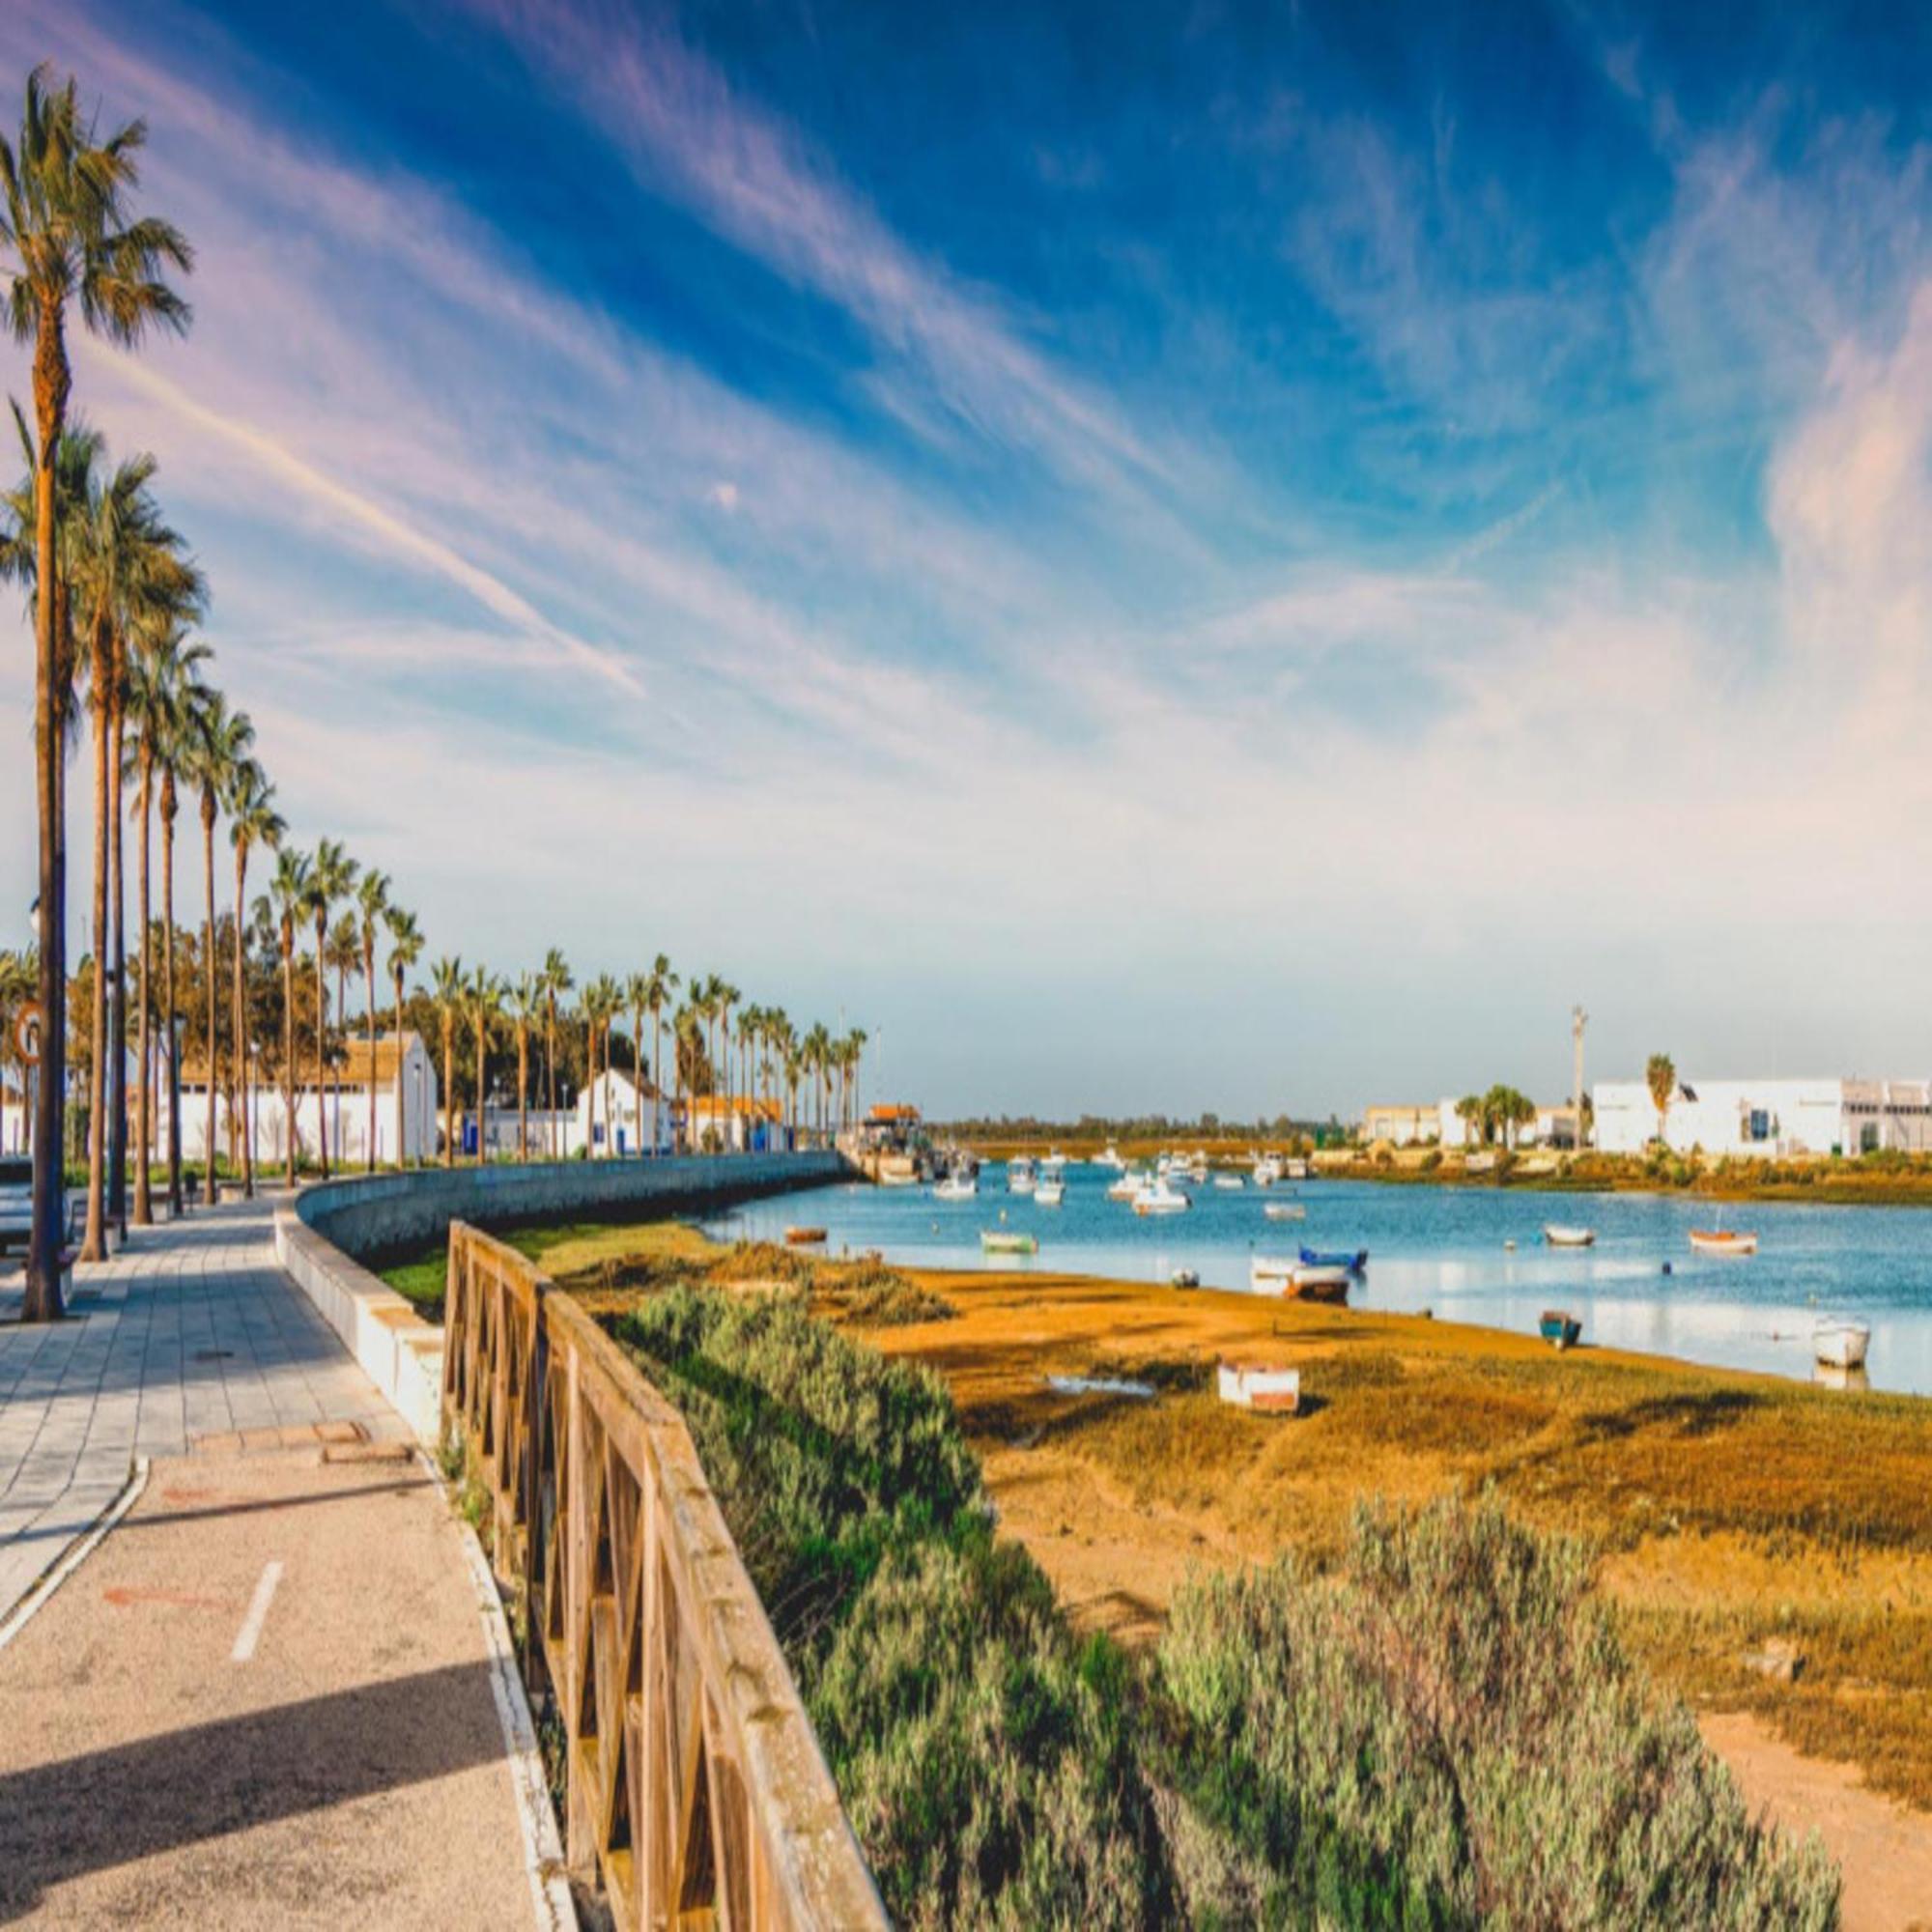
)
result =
(77, 1553)
(249, 1634)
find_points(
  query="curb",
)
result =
(73, 1557)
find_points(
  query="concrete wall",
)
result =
(319, 1232)
(377, 1213)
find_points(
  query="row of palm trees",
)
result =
(720, 1049)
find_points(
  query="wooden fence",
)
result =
(695, 1784)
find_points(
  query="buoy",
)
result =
(1509, 1247)
(1667, 1267)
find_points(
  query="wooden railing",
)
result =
(695, 1784)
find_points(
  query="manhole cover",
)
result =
(214, 1354)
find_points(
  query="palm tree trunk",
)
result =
(94, 1247)
(369, 984)
(320, 1046)
(42, 1299)
(173, 1045)
(117, 1019)
(289, 1047)
(523, 1091)
(657, 1075)
(448, 1095)
(399, 1070)
(550, 1080)
(207, 972)
(144, 1106)
(242, 1082)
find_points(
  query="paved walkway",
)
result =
(270, 1695)
(192, 1332)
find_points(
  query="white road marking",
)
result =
(250, 1632)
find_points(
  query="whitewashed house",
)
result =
(622, 1120)
(1768, 1119)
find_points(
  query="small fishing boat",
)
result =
(1110, 1157)
(1128, 1185)
(804, 1237)
(955, 1188)
(1266, 1387)
(1286, 1211)
(1267, 1170)
(1021, 1176)
(1560, 1328)
(1355, 1263)
(1158, 1198)
(1321, 1284)
(1048, 1193)
(1840, 1344)
(1722, 1242)
(1271, 1274)
(1006, 1241)
(1230, 1181)
(1054, 1166)
(1184, 1278)
(1560, 1237)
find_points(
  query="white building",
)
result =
(1404, 1126)
(623, 1117)
(342, 1104)
(1769, 1119)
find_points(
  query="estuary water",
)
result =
(1443, 1249)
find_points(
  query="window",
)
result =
(1868, 1137)
(1759, 1129)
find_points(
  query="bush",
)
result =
(1447, 1733)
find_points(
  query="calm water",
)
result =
(1442, 1248)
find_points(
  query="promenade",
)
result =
(268, 1691)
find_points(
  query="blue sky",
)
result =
(1154, 557)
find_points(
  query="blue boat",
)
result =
(1560, 1327)
(1355, 1263)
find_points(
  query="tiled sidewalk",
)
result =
(192, 1332)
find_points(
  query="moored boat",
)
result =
(1284, 1210)
(1354, 1263)
(1269, 1388)
(1004, 1241)
(1128, 1185)
(1560, 1327)
(1157, 1197)
(1723, 1241)
(1021, 1176)
(1267, 1170)
(1184, 1278)
(1048, 1193)
(1558, 1236)
(804, 1237)
(955, 1188)
(1230, 1182)
(1840, 1344)
(1322, 1283)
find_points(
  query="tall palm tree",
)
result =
(406, 945)
(638, 997)
(526, 1002)
(555, 975)
(289, 899)
(483, 1002)
(659, 989)
(372, 901)
(252, 820)
(447, 989)
(1659, 1075)
(331, 882)
(687, 1043)
(345, 957)
(728, 996)
(601, 1000)
(65, 235)
(219, 741)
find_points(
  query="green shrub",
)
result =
(1446, 1733)
(986, 1761)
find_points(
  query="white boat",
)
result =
(1559, 1235)
(1230, 1182)
(1128, 1185)
(1722, 1241)
(1110, 1157)
(1267, 1170)
(1265, 1386)
(1021, 1176)
(1048, 1193)
(1840, 1344)
(1286, 1211)
(1158, 1198)
(1271, 1274)
(955, 1188)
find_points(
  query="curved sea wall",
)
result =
(323, 1231)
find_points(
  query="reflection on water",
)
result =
(1443, 1249)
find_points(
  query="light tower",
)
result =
(1579, 1020)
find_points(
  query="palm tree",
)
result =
(252, 820)
(66, 227)
(728, 996)
(447, 989)
(483, 1000)
(659, 989)
(1660, 1076)
(556, 980)
(345, 957)
(601, 1000)
(372, 901)
(288, 896)
(525, 1003)
(405, 945)
(218, 742)
(331, 882)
